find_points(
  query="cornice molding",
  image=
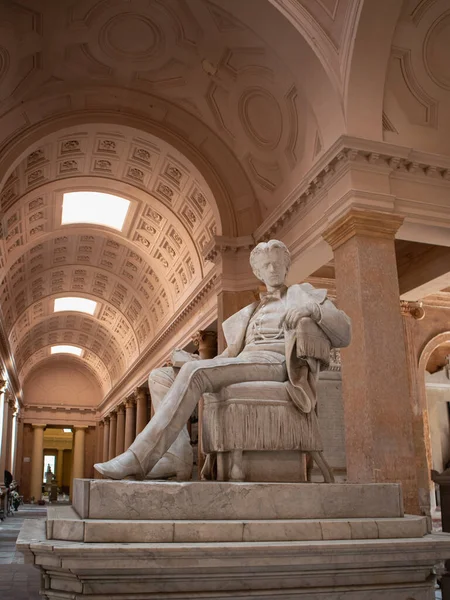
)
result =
(348, 152)
(221, 244)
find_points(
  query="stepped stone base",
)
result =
(217, 540)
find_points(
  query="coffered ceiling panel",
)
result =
(138, 276)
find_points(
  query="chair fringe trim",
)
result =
(232, 426)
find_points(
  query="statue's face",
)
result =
(272, 268)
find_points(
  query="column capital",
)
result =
(38, 426)
(206, 337)
(120, 408)
(113, 414)
(130, 401)
(140, 392)
(101, 423)
(80, 427)
(3, 383)
(362, 223)
(412, 309)
(105, 419)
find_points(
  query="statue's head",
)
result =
(270, 262)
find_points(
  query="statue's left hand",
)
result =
(293, 315)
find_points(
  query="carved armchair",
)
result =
(253, 432)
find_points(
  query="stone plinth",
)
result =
(195, 500)
(394, 569)
(222, 540)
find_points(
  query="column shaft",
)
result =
(105, 454)
(120, 436)
(141, 409)
(378, 419)
(99, 439)
(206, 342)
(37, 462)
(78, 452)
(59, 467)
(3, 433)
(18, 461)
(112, 435)
(130, 422)
(9, 430)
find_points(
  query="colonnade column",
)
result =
(120, 436)
(112, 435)
(18, 460)
(11, 404)
(99, 451)
(412, 312)
(3, 408)
(105, 454)
(59, 467)
(141, 409)
(206, 342)
(78, 452)
(378, 420)
(130, 421)
(37, 462)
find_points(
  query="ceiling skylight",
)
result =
(94, 207)
(66, 350)
(79, 304)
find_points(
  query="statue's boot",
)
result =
(171, 467)
(124, 465)
(177, 462)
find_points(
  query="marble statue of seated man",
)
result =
(286, 337)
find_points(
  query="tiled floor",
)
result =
(17, 580)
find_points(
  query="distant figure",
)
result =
(8, 478)
(48, 474)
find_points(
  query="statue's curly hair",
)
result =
(262, 248)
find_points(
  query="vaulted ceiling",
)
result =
(139, 276)
(204, 114)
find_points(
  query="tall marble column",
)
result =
(9, 430)
(78, 452)
(112, 434)
(130, 421)
(18, 461)
(141, 409)
(412, 312)
(206, 342)
(99, 437)
(3, 421)
(37, 462)
(59, 467)
(105, 455)
(120, 437)
(378, 420)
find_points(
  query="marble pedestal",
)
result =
(158, 540)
